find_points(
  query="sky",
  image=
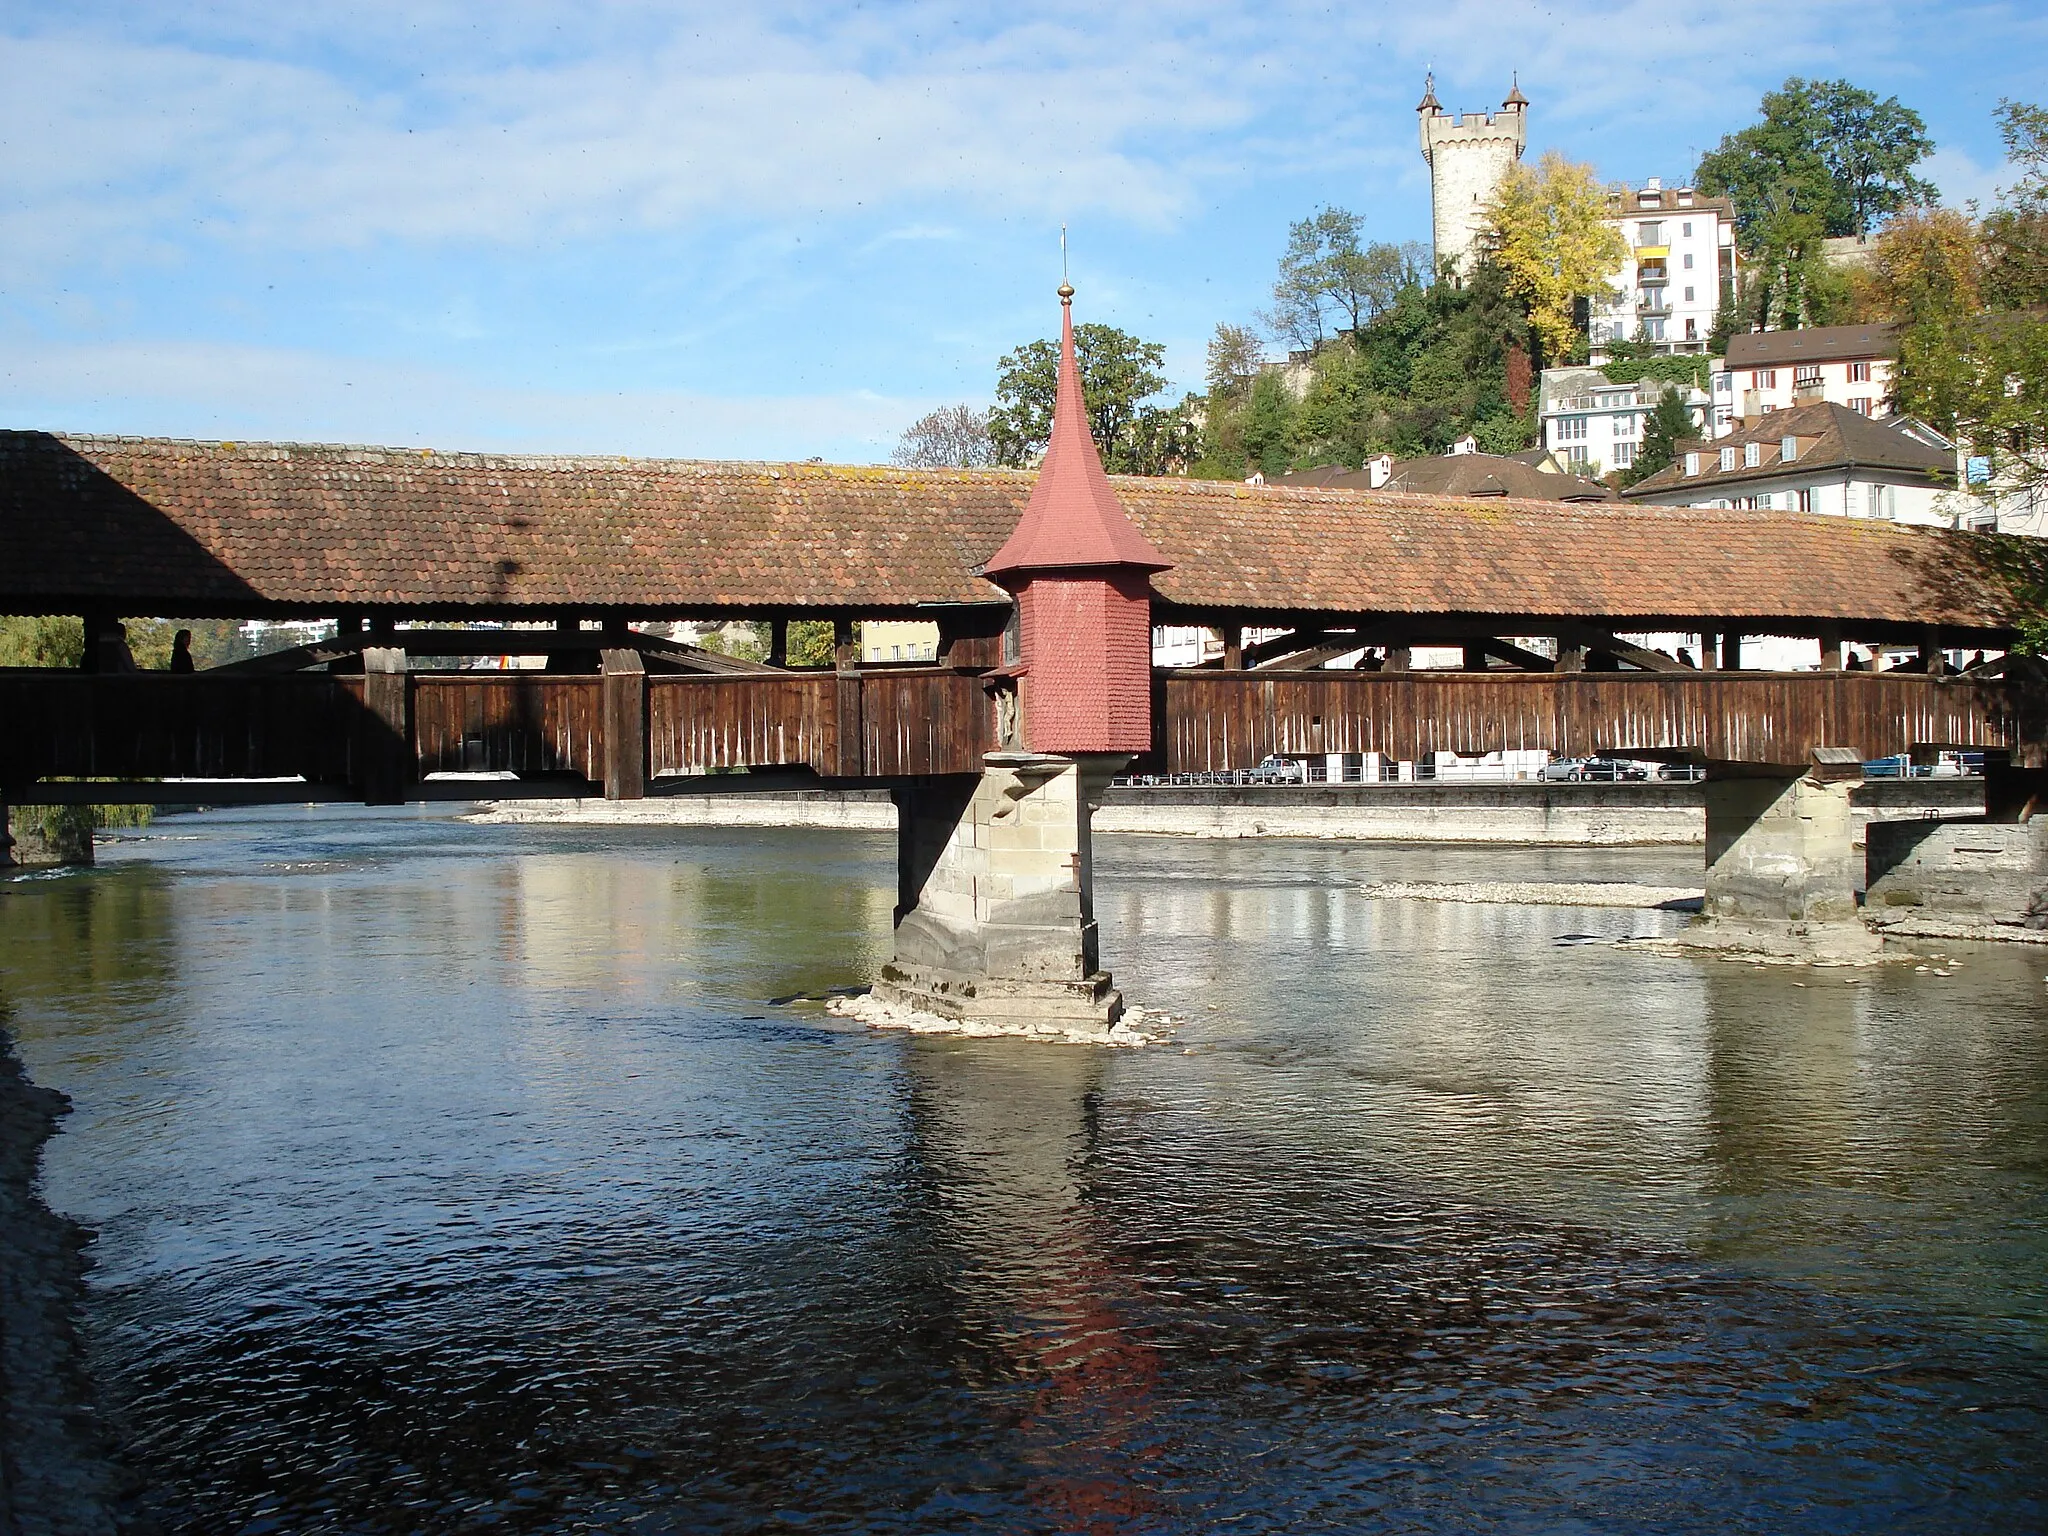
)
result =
(748, 231)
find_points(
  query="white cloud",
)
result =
(720, 118)
(214, 391)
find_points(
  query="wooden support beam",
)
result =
(1276, 647)
(1515, 655)
(1830, 647)
(846, 662)
(384, 751)
(1731, 651)
(778, 642)
(1314, 656)
(625, 723)
(1601, 641)
(1233, 647)
(1400, 658)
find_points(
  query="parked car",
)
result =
(1279, 770)
(1601, 770)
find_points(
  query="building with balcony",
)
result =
(1767, 371)
(1593, 425)
(1681, 251)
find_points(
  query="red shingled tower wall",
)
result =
(1081, 572)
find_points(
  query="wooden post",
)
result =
(1400, 658)
(1474, 659)
(1932, 662)
(1710, 651)
(384, 746)
(1233, 647)
(778, 642)
(846, 662)
(1731, 651)
(6, 837)
(1571, 655)
(1831, 647)
(625, 723)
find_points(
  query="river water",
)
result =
(453, 1178)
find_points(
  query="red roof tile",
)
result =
(152, 526)
(1072, 519)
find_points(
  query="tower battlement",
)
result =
(1467, 153)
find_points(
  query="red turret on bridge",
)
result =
(1081, 573)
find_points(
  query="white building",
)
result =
(1822, 458)
(1766, 371)
(1593, 425)
(1681, 251)
(1467, 156)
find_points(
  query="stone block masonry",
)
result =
(995, 915)
(1782, 867)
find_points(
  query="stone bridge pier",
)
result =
(1782, 865)
(995, 914)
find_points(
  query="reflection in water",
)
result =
(454, 1178)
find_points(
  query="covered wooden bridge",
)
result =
(403, 550)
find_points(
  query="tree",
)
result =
(1234, 356)
(1668, 424)
(41, 640)
(1326, 277)
(1119, 373)
(951, 437)
(2016, 232)
(1268, 426)
(1926, 278)
(1548, 232)
(1825, 150)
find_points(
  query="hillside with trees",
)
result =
(1384, 355)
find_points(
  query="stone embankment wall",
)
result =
(1576, 815)
(55, 1479)
(1969, 871)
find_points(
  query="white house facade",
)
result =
(1593, 425)
(1681, 249)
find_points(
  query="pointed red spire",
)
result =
(1073, 519)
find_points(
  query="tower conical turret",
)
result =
(1081, 573)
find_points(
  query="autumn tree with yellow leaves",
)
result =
(1548, 231)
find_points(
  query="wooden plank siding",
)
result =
(507, 722)
(915, 723)
(912, 722)
(696, 724)
(160, 726)
(1213, 721)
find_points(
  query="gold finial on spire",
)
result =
(1066, 289)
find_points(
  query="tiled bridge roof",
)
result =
(154, 526)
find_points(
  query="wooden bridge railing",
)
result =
(382, 731)
(1219, 720)
(627, 730)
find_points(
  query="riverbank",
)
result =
(55, 1478)
(1524, 814)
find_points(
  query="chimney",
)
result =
(1380, 470)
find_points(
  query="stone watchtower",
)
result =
(995, 917)
(1467, 156)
